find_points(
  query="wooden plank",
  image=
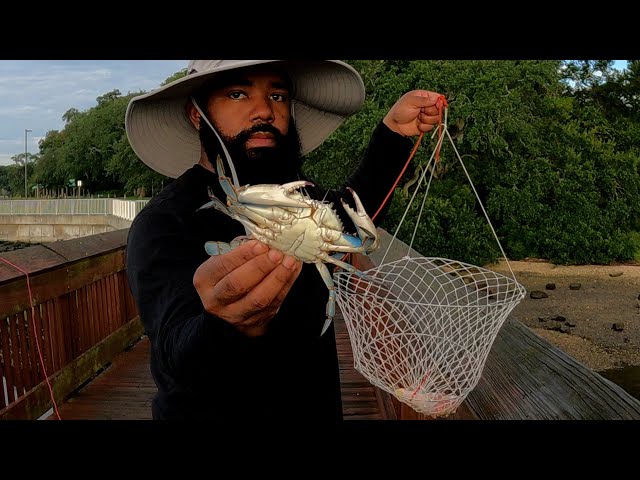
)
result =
(110, 304)
(81, 325)
(31, 259)
(124, 391)
(385, 404)
(37, 401)
(525, 377)
(117, 292)
(51, 337)
(55, 322)
(120, 291)
(47, 324)
(73, 326)
(132, 308)
(76, 322)
(15, 360)
(106, 303)
(110, 308)
(81, 320)
(359, 397)
(3, 402)
(87, 321)
(28, 375)
(100, 310)
(40, 325)
(49, 284)
(35, 333)
(93, 321)
(102, 307)
(6, 357)
(84, 247)
(32, 346)
(66, 326)
(61, 319)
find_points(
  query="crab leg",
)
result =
(226, 185)
(220, 248)
(272, 217)
(331, 304)
(218, 205)
(217, 248)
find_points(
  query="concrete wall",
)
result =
(52, 228)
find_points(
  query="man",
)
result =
(237, 336)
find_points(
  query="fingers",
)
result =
(219, 266)
(274, 268)
(248, 294)
(432, 111)
(426, 123)
(416, 111)
(270, 293)
(424, 98)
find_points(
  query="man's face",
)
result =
(251, 111)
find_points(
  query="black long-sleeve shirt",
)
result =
(203, 367)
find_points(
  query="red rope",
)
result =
(443, 103)
(35, 329)
(440, 103)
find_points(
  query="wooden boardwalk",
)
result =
(525, 377)
(124, 390)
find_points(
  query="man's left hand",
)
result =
(415, 112)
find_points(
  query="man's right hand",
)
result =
(247, 285)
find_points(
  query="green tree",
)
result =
(544, 143)
(551, 147)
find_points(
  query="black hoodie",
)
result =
(203, 367)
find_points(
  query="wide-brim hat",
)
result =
(325, 93)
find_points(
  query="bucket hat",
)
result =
(325, 93)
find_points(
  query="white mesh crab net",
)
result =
(421, 328)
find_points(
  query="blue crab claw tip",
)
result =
(326, 326)
(206, 205)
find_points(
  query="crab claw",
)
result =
(364, 225)
(274, 195)
(217, 204)
(225, 183)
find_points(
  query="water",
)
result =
(628, 378)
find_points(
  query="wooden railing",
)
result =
(83, 315)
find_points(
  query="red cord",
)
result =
(440, 103)
(35, 329)
(415, 147)
(443, 103)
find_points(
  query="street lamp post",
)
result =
(25, 162)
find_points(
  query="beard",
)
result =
(278, 164)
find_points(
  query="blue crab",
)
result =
(290, 221)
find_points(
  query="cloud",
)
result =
(35, 94)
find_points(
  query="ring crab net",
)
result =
(421, 328)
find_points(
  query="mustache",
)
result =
(243, 136)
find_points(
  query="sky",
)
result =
(34, 94)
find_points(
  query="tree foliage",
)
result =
(551, 148)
